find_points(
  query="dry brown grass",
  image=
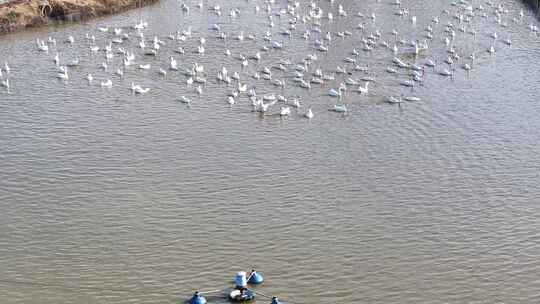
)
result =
(28, 13)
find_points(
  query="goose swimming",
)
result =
(284, 111)
(42, 46)
(5, 84)
(445, 72)
(74, 62)
(57, 59)
(63, 75)
(339, 108)
(184, 99)
(137, 89)
(173, 64)
(106, 84)
(364, 89)
(309, 114)
(393, 100)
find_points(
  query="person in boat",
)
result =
(240, 286)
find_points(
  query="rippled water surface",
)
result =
(108, 197)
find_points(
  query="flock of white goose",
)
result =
(124, 50)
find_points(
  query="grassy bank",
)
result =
(20, 14)
(535, 4)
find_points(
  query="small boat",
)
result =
(236, 295)
(241, 293)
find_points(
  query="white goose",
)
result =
(394, 100)
(42, 47)
(173, 64)
(74, 62)
(446, 72)
(240, 37)
(63, 75)
(184, 99)
(309, 114)
(5, 84)
(200, 49)
(198, 68)
(106, 84)
(284, 111)
(242, 87)
(137, 89)
(364, 89)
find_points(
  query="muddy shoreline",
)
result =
(22, 14)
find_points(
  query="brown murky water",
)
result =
(107, 197)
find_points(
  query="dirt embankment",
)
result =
(20, 14)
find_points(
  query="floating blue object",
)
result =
(240, 280)
(255, 278)
(197, 299)
(275, 300)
